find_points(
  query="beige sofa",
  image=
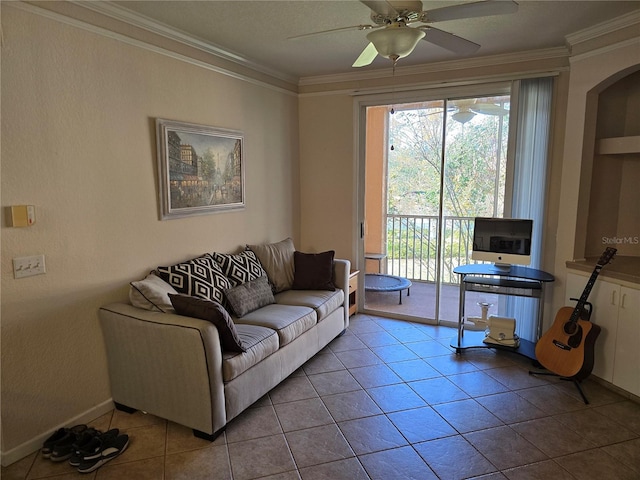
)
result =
(174, 367)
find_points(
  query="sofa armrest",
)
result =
(341, 271)
(165, 364)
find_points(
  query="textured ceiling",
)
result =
(258, 31)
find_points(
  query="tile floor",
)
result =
(390, 400)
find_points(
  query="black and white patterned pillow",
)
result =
(240, 268)
(199, 277)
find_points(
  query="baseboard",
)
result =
(34, 444)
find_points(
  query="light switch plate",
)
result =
(28, 266)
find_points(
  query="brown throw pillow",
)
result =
(213, 312)
(250, 296)
(313, 271)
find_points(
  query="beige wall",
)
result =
(327, 174)
(78, 142)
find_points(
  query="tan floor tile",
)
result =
(551, 399)
(375, 376)
(429, 349)
(260, 457)
(334, 382)
(203, 464)
(537, 471)
(453, 458)
(477, 383)
(317, 445)
(371, 434)
(596, 464)
(348, 341)
(504, 448)
(515, 377)
(393, 398)
(360, 357)
(627, 453)
(322, 363)
(451, 364)
(626, 413)
(421, 424)
(414, 370)
(351, 405)
(182, 439)
(401, 462)
(595, 427)
(254, 423)
(149, 469)
(292, 389)
(552, 437)
(394, 353)
(510, 407)
(438, 390)
(348, 469)
(18, 470)
(303, 414)
(467, 415)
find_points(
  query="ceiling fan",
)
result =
(393, 38)
(467, 108)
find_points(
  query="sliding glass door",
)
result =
(431, 167)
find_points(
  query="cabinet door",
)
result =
(604, 297)
(626, 373)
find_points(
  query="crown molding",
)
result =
(450, 65)
(125, 15)
(628, 20)
(67, 20)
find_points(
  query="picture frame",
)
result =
(200, 169)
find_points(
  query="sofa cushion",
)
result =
(152, 293)
(313, 271)
(260, 342)
(199, 277)
(240, 268)
(322, 301)
(277, 261)
(290, 321)
(250, 296)
(213, 312)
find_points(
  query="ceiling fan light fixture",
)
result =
(395, 41)
(463, 116)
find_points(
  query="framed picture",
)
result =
(200, 169)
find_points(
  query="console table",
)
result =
(518, 281)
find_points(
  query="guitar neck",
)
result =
(585, 294)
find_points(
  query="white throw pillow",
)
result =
(152, 293)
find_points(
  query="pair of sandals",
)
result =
(85, 447)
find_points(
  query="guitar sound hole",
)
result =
(570, 328)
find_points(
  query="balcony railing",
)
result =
(412, 246)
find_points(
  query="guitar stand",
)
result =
(575, 382)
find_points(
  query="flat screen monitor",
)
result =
(503, 241)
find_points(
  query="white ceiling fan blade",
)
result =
(333, 30)
(380, 7)
(488, 109)
(367, 56)
(450, 41)
(469, 10)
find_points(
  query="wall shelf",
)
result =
(619, 145)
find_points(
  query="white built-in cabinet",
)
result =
(616, 309)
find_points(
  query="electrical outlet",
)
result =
(28, 266)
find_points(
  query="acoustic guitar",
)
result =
(566, 349)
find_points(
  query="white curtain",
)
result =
(529, 185)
